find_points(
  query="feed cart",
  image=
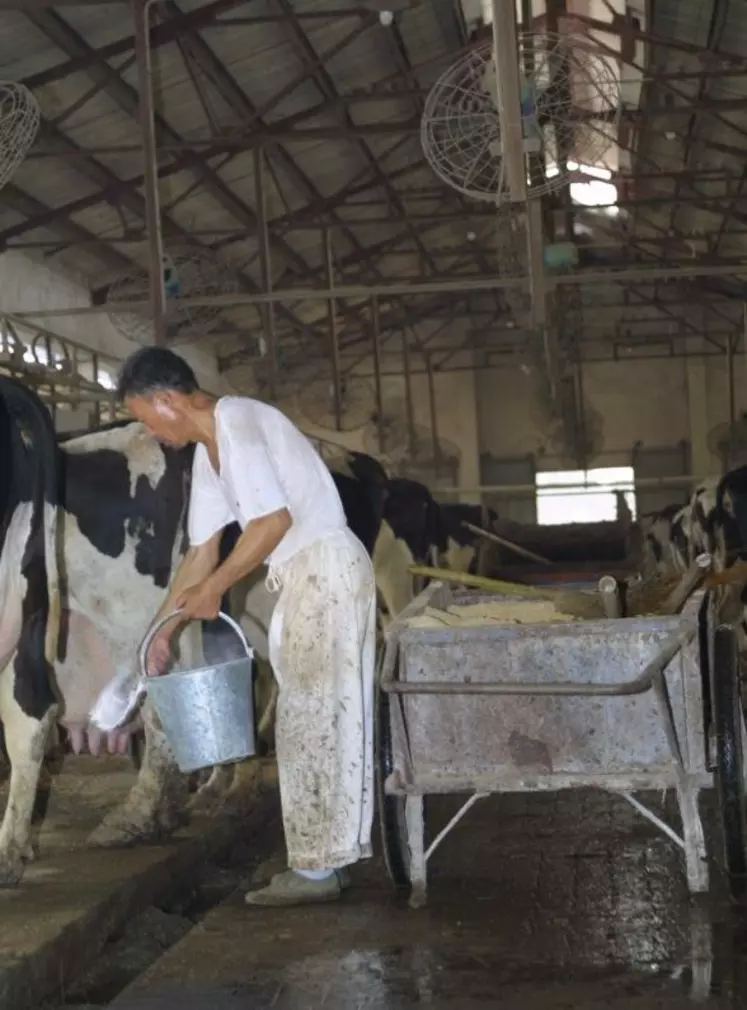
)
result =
(618, 704)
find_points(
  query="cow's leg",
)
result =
(391, 560)
(214, 790)
(25, 742)
(235, 783)
(157, 803)
(458, 557)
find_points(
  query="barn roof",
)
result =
(312, 108)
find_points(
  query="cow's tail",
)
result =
(28, 416)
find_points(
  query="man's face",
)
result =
(162, 416)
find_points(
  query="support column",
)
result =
(703, 462)
(141, 20)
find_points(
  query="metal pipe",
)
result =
(610, 594)
(96, 412)
(598, 278)
(408, 393)
(432, 411)
(506, 60)
(657, 821)
(744, 336)
(508, 544)
(141, 20)
(535, 261)
(684, 480)
(730, 379)
(453, 822)
(265, 260)
(376, 338)
(332, 319)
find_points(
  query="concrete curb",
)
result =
(61, 918)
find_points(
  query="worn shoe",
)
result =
(291, 888)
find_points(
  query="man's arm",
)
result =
(197, 565)
(259, 539)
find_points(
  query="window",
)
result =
(598, 192)
(583, 496)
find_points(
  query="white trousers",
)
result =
(322, 644)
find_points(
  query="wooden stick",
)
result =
(507, 543)
(481, 582)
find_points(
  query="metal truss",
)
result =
(352, 272)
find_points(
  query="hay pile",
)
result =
(538, 605)
(476, 615)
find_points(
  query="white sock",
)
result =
(315, 874)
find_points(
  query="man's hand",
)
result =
(201, 602)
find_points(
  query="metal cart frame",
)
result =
(674, 726)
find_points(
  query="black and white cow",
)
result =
(714, 521)
(121, 505)
(459, 546)
(666, 540)
(120, 508)
(675, 536)
(29, 583)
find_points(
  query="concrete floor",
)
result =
(74, 899)
(536, 903)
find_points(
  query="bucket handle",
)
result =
(143, 656)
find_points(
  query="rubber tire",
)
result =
(391, 808)
(728, 717)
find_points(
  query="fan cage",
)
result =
(20, 118)
(187, 273)
(316, 403)
(570, 98)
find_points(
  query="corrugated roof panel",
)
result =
(103, 219)
(53, 181)
(684, 22)
(423, 37)
(366, 59)
(200, 210)
(99, 24)
(23, 49)
(98, 123)
(308, 244)
(263, 59)
(721, 129)
(8, 216)
(385, 110)
(263, 62)
(331, 164)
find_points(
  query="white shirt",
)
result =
(266, 464)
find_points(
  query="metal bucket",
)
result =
(206, 714)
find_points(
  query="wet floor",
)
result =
(535, 903)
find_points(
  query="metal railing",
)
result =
(64, 373)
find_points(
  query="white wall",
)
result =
(27, 283)
(658, 402)
(456, 418)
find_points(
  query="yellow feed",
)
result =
(490, 613)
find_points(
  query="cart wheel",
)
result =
(727, 708)
(391, 808)
(392, 815)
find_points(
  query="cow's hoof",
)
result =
(208, 799)
(11, 868)
(124, 828)
(246, 785)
